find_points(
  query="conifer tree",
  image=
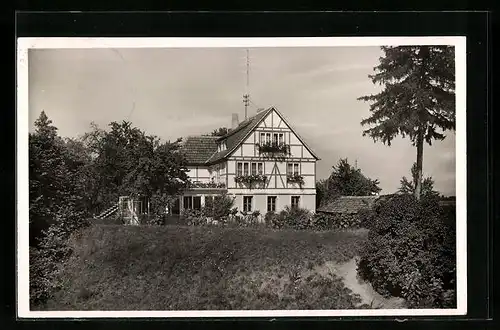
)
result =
(418, 98)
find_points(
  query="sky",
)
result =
(176, 92)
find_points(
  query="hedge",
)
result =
(410, 252)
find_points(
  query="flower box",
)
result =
(273, 148)
(250, 179)
(295, 178)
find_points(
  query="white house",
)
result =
(262, 162)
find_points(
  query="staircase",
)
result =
(106, 213)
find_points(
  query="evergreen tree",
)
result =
(418, 99)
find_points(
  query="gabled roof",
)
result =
(349, 204)
(235, 137)
(206, 152)
(297, 134)
(197, 149)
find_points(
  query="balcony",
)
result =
(197, 185)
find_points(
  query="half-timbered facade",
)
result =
(262, 162)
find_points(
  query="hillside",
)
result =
(185, 268)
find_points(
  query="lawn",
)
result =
(172, 267)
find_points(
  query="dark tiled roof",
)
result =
(348, 204)
(235, 137)
(197, 149)
(448, 203)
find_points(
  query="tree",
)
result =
(408, 187)
(346, 180)
(418, 99)
(321, 192)
(49, 176)
(221, 131)
(127, 161)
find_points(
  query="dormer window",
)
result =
(222, 146)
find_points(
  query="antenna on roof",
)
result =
(246, 96)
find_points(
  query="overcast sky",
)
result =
(178, 92)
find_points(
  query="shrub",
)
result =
(321, 221)
(194, 217)
(53, 251)
(325, 221)
(410, 252)
(218, 207)
(293, 218)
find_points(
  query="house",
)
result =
(262, 162)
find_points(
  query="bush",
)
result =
(245, 220)
(53, 251)
(194, 217)
(291, 218)
(220, 207)
(322, 221)
(410, 252)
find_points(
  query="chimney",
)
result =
(234, 121)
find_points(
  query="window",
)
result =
(268, 137)
(271, 203)
(281, 139)
(247, 203)
(192, 202)
(262, 137)
(296, 169)
(197, 202)
(246, 168)
(292, 168)
(239, 169)
(295, 201)
(275, 138)
(188, 202)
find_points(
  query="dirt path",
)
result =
(348, 272)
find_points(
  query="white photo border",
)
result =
(22, 164)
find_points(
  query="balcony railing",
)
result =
(199, 184)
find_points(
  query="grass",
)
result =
(204, 268)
